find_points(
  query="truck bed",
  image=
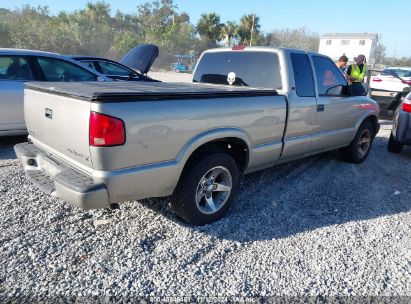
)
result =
(131, 91)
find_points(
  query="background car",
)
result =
(393, 79)
(18, 66)
(401, 125)
(112, 69)
(132, 67)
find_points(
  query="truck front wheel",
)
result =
(206, 189)
(360, 146)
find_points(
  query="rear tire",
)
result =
(206, 189)
(393, 145)
(360, 146)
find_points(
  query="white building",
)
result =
(351, 45)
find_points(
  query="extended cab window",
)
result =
(14, 68)
(254, 69)
(330, 81)
(303, 75)
(60, 70)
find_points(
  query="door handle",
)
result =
(320, 108)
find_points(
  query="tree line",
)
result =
(94, 30)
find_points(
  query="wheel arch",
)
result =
(372, 118)
(234, 142)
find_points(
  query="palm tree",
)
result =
(229, 31)
(249, 27)
(97, 11)
(209, 28)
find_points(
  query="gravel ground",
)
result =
(317, 226)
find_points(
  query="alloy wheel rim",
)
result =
(364, 143)
(213, 190)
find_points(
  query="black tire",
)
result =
(394, 146)
(357, 151)
(184, 202)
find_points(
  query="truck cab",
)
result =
(321, 107)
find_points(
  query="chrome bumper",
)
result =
(57, 179)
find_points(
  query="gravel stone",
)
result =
(313, 227)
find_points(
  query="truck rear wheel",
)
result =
(394, 146)
(360, 146)
(207, 189)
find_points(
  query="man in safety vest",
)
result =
(356, 73)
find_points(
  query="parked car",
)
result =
(401, 125)
(18, 66)
(111, 68)
(393, 79)
(185, 63)
(249, 109)
(133, 66)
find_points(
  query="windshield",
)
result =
(255, 69)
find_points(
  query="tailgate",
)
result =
(59, 125)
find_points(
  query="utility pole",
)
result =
(252, 30)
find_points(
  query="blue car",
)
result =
(185, 64)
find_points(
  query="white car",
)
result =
(393, 79)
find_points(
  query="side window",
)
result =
(14, 68)
(60, 70)
(109, 68)
(330, 81)
(89, 64)
(303, 75)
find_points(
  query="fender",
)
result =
(208, 136)
(363, 118)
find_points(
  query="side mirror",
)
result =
(346, 90)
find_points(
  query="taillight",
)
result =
(406, 104)
(406, 82)
(106, 130)
(376, 79)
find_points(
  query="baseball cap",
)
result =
(360, 59)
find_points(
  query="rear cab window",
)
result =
(254, 69)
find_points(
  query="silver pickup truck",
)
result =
(96, 144)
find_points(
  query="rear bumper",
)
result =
(402, 127)
(57, 179)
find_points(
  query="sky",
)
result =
(385, 17)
